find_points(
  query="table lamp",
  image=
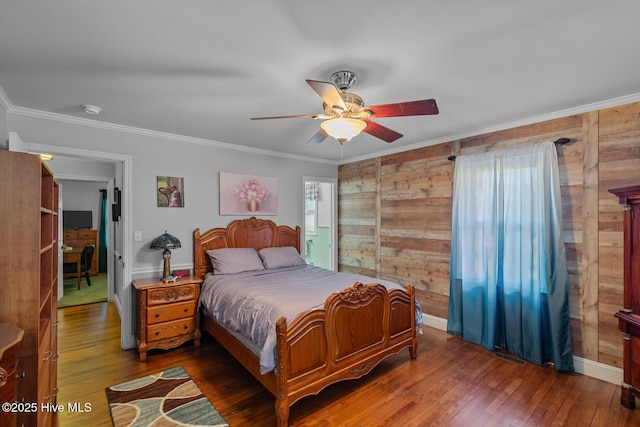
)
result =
(166, 241)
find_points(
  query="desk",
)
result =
(74, 256)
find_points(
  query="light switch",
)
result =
(137, 237)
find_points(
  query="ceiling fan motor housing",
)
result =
(354, 104)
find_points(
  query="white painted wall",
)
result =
(198, 163)
(83, 196)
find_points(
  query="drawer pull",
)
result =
(186, 326)
(186, 309)
(157, 333)
(20, 376)
(48, 355)
(157, 315)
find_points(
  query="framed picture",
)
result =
(170, 192)
(248, 194)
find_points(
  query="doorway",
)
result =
(119, 246)
(320, 229)
(84, 221)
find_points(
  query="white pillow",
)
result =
(234, 260)
(280, 257)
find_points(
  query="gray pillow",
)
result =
(280, 257)
(234, 260)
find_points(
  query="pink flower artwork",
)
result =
(247, 194)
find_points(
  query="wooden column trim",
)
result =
(590, 237)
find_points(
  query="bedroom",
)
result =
(596, 290)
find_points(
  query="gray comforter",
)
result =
(249, 304)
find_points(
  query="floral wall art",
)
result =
(248, 194)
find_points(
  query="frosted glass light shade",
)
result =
(343, 129)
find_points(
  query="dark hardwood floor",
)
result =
(451, 383)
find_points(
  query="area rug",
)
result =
(168, 398)
(72, 296)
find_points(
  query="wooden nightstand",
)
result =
(167, 313)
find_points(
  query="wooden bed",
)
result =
(356, 329)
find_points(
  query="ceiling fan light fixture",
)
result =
(343, 129)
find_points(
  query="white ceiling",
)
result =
(201, 69)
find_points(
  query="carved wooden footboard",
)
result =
(355, 330)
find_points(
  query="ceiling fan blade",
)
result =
(412, 108)
(328, 92)
(308, 116)
(318, 137)
(382, 132)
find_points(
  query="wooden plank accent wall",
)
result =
(619, 166)
(357, 218)
(395, 216)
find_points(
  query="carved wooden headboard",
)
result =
(241, 233)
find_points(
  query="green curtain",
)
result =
(102, 238)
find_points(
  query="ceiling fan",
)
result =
(345, 114)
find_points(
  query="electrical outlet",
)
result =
(137, 236)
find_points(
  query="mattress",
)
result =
(249, 304)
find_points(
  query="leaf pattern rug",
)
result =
(168, 398)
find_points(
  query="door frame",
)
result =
(334, 217)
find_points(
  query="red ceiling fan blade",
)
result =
(382, 132)
(308, 116)
(328, 92)
(412, 108)
(318, 137)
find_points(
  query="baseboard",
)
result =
(582, 366)
(434, 322)
(598, 370)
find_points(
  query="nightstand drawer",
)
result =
(172, 294)
(164, 313)
(170, 329)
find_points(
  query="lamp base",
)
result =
(166, 269)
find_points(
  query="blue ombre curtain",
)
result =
(508, 284)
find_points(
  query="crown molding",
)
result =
(27, 112)
(613, 102)
(4, 101)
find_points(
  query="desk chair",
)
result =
(86, 258)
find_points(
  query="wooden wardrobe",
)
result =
(29, 264)
(629, 315)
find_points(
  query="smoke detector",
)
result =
(91, 109)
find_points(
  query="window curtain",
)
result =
(102, 238)
(508, 286)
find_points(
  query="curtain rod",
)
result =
(559, 141)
